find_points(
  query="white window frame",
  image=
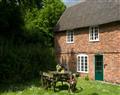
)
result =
(79, 69)
(69, 34)
(92, 31)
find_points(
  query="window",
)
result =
(82, 63)
(94, 33)
(70, 37)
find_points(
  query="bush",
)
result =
(87, 77)
(19, 63)
(77, 75)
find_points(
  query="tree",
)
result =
(30, 17)
(26, 33)
(10, 17)
(42, 22)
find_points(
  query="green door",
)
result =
(98, 67)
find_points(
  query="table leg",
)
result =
(54, 85)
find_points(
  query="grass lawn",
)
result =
(84, 88)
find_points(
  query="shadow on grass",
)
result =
(80, 89)
(61, 87)
(14, 87)
(93, 94)
(65, 87)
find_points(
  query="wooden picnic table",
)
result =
(50, 79)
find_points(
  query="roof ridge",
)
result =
(85, 14)
(97, 1)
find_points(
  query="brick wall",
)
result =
(112, 67)
(108, 45)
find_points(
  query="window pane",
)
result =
(82, 63)
(82, 68)
(82, 58)
(94, 33)
(85, 58)
(71, 39)
(85, 68)
(70, 36)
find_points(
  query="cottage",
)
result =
(87, 39)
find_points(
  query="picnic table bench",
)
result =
(49, 79)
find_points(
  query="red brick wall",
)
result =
(108, 45)
(112, 67)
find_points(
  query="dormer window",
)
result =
(94, 33)
(70, 37)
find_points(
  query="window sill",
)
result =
(70, 42)
(94, 41)
(82, 72)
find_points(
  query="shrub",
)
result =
(19, 63)
(77, 75)
(87, 77)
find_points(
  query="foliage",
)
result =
(42, 22)
(77, 74)
(26, 38)
(30, 18)
(21, 63)
(10, 17)
(87, 77)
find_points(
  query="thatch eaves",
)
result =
(89, 13)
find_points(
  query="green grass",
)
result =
(84, 88)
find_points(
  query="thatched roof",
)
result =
(89, 13)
